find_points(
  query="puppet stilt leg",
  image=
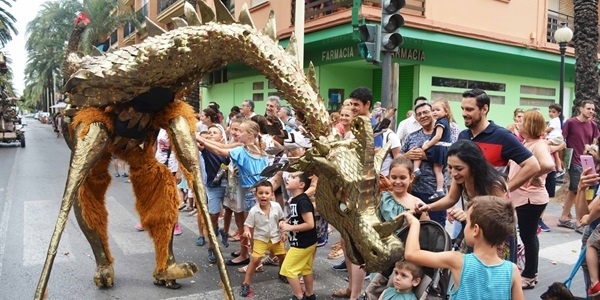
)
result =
(187, 153)
(90, 145)
(156, 202)
(92, 217)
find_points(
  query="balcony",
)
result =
(164, 4)
(555, 20)
(128, 29)
(142, 13)
(315, 9)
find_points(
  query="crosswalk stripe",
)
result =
(37, 233)
(566, 253)
(121, 229)
(208, 295)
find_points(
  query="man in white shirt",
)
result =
(247, 109)
(410, 124)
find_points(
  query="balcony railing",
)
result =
(555, 20)
(128, 29)
(142, 13)
(164, 4)
(319, 8)
(113, 38)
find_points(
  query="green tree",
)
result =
(105, 16)
(47, 35)
(585, 38)
(7, 22)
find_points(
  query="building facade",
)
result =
(502, 46)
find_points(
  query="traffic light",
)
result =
(391, 20)
(370, 42)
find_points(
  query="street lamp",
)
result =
(562, 36)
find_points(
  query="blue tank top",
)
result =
(479, 281)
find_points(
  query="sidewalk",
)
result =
(559, 250)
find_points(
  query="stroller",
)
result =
(435, 284)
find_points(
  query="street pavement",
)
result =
(32, 181)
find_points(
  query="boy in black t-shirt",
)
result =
(302, 237)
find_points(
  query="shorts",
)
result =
(557, 140)
(183, 184)
(249, 199)
(215, 198)
(574, 175)
(593, 239)
(260, 248)
(298, 261)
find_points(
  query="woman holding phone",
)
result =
(531, 199)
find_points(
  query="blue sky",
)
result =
(24, 11)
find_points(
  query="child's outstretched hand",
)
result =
(408, 217)
(585, 220)
(247, 234)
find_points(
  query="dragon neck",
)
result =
(179, 57)
(72, 46)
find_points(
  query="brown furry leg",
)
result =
(92, 217)
(156, 202)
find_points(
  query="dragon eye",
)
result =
(344, 207)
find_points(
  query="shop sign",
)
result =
(350, 52)
(410, 54)
(340, 53)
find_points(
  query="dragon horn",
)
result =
(206, 13)
(292, 49)
(190, 14)
(223, 14)
(153, 29)
(270, 29)
(312, 77)
(179, 22)
(244, 17)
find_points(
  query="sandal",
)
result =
(528, 283)
(257, 270)
(270, 261)
(566, 224)
(342, 293)
(235, 237)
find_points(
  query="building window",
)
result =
(467, 84)
(457, 97)
(258, 97)
(525, 101)
(259, 85)
(536, 90)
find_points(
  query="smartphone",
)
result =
(587, 161)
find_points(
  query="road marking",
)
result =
(566, 253)
(121, 229)
(6, 210)
(209, 295)
(37, 233)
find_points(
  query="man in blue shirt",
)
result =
(361, 100)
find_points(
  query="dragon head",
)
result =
(348, 195)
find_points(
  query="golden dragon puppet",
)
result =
(119, 100)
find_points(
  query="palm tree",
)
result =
(585, 37)
(45, 46)
(7, 23)
(105, 16)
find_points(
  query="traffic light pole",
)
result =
(386, 79)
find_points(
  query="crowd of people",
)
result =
(486, 180)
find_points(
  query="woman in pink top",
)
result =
(531, 199)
